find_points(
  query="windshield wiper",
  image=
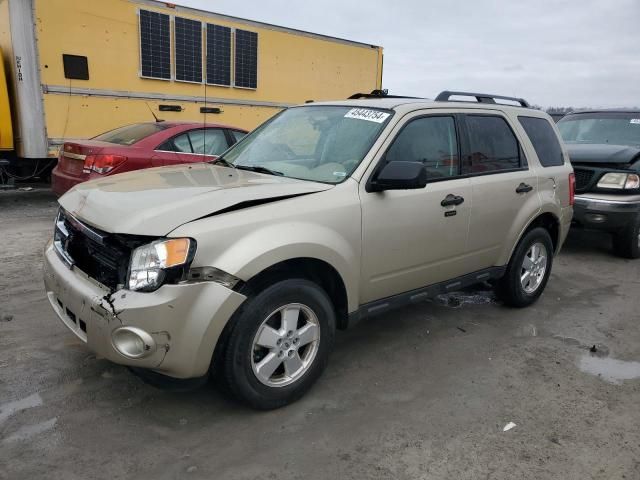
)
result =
(259, 169)
(222, 161)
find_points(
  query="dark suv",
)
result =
(604, 148)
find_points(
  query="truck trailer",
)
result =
(73, 69)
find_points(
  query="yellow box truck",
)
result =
(76, 68)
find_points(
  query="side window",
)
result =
(431, 141)
(210, 141)
(544, 140)
(167, 147)
(492, 145)
(182, 144)
(237, 135)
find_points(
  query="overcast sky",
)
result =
(551, 52)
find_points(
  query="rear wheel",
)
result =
(627, 242)
(528, 270)
(279, 344)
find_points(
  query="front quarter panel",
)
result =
(324, 226)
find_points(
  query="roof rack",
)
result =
(480, 98)
(377, 94)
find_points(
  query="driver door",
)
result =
(410, 239)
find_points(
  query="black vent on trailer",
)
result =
(155, 45)
(75, 67)
(218, 55)
(188, 50)
(169, 108)
(210, 110)
(246, 74)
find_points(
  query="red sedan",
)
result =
(141, 145)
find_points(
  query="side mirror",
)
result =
(399, 176)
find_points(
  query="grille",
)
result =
(96, 253)
(583, 178)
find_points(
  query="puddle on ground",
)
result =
(610, 369)
(8, 409)
(458, 299)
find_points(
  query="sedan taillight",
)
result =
(102, 163)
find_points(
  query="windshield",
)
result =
(317, 143)
(615, 128)
(131, 133)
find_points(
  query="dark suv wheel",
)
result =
(626, 243)
(528, 270)
(279, 344)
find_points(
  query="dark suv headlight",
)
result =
(620, 181)
(160, 262)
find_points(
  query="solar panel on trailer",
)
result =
(188, 50)
(246, 59)
(218, 54)
(155, 45)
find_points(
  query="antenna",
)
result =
(154, 115)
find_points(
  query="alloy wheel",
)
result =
(534, 267)
(285, 345)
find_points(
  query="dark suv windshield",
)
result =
(616, 128)
(131, 133)
(318, 143)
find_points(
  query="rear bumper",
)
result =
(602, 212)
(183, 321)
(61, 182)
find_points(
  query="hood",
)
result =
(155, 201)
(601, 153)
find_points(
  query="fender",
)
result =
(277, 243)
(506, 255)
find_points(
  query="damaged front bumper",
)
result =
(178, 325)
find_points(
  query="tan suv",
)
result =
(327, 213)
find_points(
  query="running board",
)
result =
(420, 294)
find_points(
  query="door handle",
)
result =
(451, 200)
(524, 188)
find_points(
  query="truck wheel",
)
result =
(627, 242)
(279, 344)
(528, 270)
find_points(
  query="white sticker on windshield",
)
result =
(367, 114)
(635, 120)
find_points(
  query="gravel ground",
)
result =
(424, 392)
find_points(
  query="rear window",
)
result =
(544, 140)
(131, 133)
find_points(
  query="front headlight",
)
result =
(620, 181)
(153, 263)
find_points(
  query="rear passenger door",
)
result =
(504, 187)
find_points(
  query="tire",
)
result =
(511, 288)
(246, 364)
(627, 242)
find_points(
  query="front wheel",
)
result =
(528, 270)
(279, 344)
(627, 242)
